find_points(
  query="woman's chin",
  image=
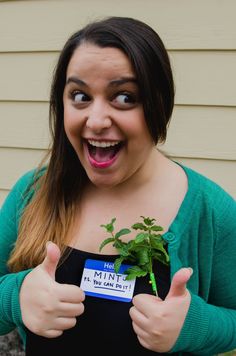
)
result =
(101, 180)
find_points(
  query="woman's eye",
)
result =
(125, 99)
(79, 97)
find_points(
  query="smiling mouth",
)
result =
(103, 151)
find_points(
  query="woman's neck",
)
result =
(151, 172)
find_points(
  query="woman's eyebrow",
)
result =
(76, 81)
(124, 80)
(112, 83)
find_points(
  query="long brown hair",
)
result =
(51, 212)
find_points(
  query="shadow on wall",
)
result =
(10, 345)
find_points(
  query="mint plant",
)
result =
(147, 246)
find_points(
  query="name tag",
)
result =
(100, 280)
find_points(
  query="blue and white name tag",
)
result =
(100, 280)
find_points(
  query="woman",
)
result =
(111, 102)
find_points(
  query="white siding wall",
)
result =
(201, 39)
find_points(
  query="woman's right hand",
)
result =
(47, 307)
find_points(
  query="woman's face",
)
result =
(103, 116)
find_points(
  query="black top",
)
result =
(105, 327)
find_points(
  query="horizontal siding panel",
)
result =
(15, 162)
(29, 78)
(221, 172)
(190, 24)
(205, 78)
(202, 132)
(24, 125)
(26, 76)
(202, 78)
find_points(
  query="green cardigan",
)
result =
(202, 236)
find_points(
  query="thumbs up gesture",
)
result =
(47, 307)
(158, 322)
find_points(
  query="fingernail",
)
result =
(191, 270)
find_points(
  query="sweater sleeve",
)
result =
(10, 313)
(210, 326)
(10, 283)
(208, 329)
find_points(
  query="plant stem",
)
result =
(153, 282)
(151, 274)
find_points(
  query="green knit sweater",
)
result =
(202, 236)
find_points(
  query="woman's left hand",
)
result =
(158, 322)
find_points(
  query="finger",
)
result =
(52, 333)
(62, 323)
(178, 285)
(138, 317)
(146, 303)
(140, 332)
(71, 309)
(70, 293)
(51, 259)
(142, 336)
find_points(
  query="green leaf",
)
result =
(158, 238)
(148, 221)
(112, 221)
(131, 244)
(142, 236)
(134, 271)
(143, 256)
(117, 264)
(157, 228)
(122, 248)
(105, 242)
(109, 227)
(122, 232)
(118, 243)
(161, 256)
(156, 244)
(139, 226)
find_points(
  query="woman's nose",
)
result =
(98, 118)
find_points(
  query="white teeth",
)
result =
(103, 143)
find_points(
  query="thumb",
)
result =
(51, 259)
(178, 283)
